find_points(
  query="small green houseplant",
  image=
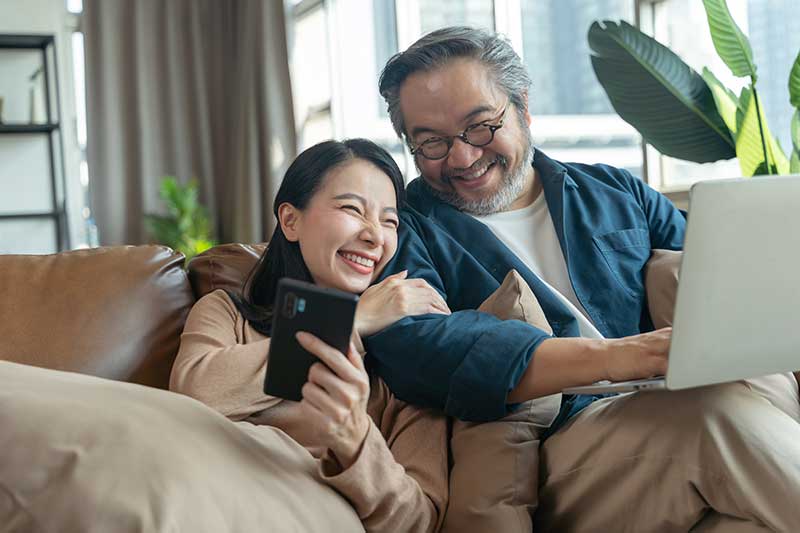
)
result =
(687, 115)
(186, 227)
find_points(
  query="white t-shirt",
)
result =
(529, 233)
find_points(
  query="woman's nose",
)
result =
(372, 233)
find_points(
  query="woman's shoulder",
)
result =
(216, 302)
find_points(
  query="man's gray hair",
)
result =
(438, 48)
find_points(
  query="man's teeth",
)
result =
(360, 260)
(476, 174)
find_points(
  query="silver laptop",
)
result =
(737, 313)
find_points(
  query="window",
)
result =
(572, 117)
(308, 46)
(773, 27)
(85, 231)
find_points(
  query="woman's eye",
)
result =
(391, 222)
(352, 208)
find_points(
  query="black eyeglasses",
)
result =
(479, 134)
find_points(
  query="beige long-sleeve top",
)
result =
(398, 482)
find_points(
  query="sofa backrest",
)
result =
(113, 312)
(226, 266)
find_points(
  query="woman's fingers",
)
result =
(319, 398)
(355, 358)
(345, 393)
(333, 358)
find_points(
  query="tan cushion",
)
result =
(93, 455)
(661, 284)
(495, 474)
(226, 266)
(115, 312)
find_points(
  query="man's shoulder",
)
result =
(601, 175)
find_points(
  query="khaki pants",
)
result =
(721, 458)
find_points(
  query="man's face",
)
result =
(444, 102)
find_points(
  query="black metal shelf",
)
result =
(26, 41)
(46, 45)
(44, 214)
(27, 128)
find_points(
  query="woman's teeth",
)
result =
(358, 259)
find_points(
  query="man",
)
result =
(488, 202)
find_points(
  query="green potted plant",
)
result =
(186, 227)
(687, 115)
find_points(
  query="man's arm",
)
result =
(473, 365)
(568, 362)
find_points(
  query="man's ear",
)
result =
(289, 217)
(527, 109)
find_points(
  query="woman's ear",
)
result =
(289, 217)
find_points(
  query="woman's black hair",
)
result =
(283, 258)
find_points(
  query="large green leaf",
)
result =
(726, 100)
(794, 83)
(652, 89)
(794, 166)
(749, 148)
(731, 44)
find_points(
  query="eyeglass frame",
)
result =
(450, 139)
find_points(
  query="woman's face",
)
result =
(348, 231)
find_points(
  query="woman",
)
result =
(337, 212)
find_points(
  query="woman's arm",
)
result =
(391, 464)
(399, 480)
(215, 366)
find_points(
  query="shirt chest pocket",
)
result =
(625, 252)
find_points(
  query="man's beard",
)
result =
(511, 185)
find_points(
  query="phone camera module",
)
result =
(290, 305)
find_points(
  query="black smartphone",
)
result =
(299, 306)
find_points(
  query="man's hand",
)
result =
(637, 356)
(573, 361)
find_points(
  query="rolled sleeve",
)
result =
(464, 364)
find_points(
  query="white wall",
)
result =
(20, 161)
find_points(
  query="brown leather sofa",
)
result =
(112, 312)
(95, 455)
(117, 313)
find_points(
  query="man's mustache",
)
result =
(447, 178)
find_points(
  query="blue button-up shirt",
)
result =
(607, 221)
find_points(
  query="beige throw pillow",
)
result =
(495, 474)
(494, 479)
(661, 283)
(93, 455)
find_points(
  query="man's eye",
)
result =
(392, 222)
(432, 140)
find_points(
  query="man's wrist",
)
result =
(594, 356)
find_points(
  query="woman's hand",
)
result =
(637, 356)
(334, 403)
(394, 298)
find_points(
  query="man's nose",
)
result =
(463, 155)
